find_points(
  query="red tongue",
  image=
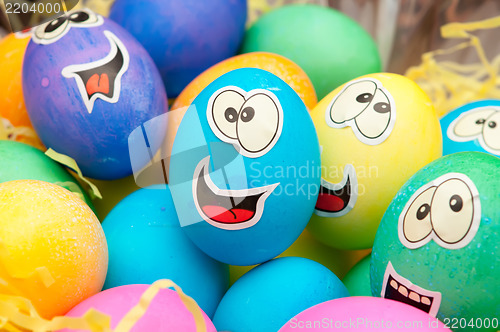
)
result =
(225, 216)
(98, 83)
(327, 202)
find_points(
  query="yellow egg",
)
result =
(52, 247)
(375, 132)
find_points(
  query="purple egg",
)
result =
(87, 85)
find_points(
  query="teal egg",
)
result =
(267, 296)
(437, 247)
(146, 243)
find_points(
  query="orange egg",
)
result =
(276, 64)
(12, 107)
(16, 124)
(52, 247)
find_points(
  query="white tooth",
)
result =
(394, 284)
(425, 300)
(414, 296)
(402, 289)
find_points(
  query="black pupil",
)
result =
(231, 115)
(423, 211)
(382, 107)
(247, 114)
(492, 124)
(456, 203)
(364, 98)
(480, 121)
(79, 17)
(55, 24)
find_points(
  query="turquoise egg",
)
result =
(269, 295)
(473, 127)
(146, 243)
(245, 168)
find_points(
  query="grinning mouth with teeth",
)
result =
(102, 78)
(227, 209)
(337, 199)
(398, 288)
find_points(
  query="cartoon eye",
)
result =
(53, 29)
(259, 124)
(417, 221)
(353, 100)
(83, 17)
(452, 211)
(374, 120)
(491, 132)
(225, 112)
(472, 122)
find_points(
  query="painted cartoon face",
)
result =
(437, 246)
(473, 127)
(87, 80)
(365, 129)
(234, 181)
(52, 31)
(367, 107)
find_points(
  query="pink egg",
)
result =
(166, 312)
(363, 313)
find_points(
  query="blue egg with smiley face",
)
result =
(245, 168)
(473, 127)
(87, 85)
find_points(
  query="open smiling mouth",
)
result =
(227, 209)
(337, 199)
(102, 78)
(398, 288)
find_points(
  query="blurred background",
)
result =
(403, 29)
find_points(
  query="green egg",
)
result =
(357, 280)
(330, 46)
(437, 247)
(19, 161)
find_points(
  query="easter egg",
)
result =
(330, 47)
(244, 171)
(88, 84)
(184, 37)
(24, 162)
(146, 244)
(437, 245)
(357, 280)
(54, 250)
(473, 127)
(269, 295)
(375, 131)
(362, 313)
(13, 114)
(166, 312)
(12, 49)
(336, 260)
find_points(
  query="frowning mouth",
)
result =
(398, 288)
(337, 199)
(227, 209)
(102, 78)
